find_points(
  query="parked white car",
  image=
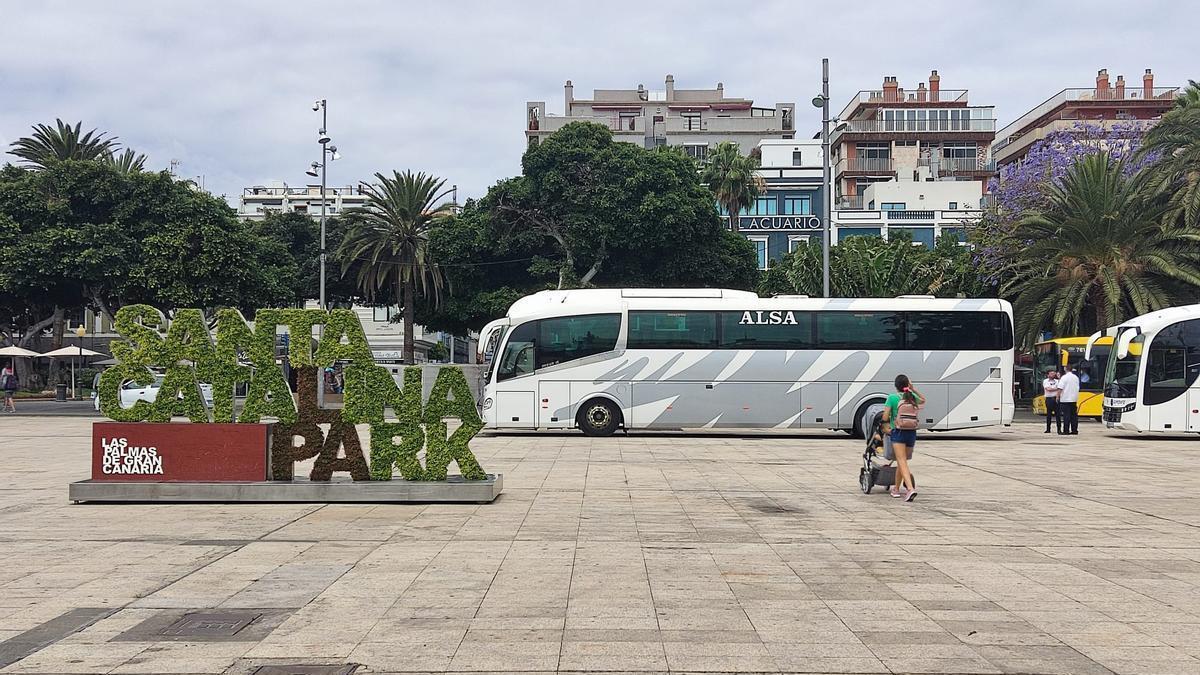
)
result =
(132, 392)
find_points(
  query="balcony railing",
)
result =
(878, 96)
(866, 164)
(918, 126)
(552, 123)
(309, 190)
(909, 215)
(948, 165)
(1166, 94)
(852, 202)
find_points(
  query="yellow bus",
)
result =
(1057, 352)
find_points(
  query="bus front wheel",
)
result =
(599, 417)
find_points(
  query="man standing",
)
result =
(1050, 389)
(1068, 401)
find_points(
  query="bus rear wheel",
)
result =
(864, 416)
(599, 417)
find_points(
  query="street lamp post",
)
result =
(822, 102)
(323, 139)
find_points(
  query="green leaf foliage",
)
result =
(451, 398)
(343, 339)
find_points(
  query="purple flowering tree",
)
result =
(1023, 186)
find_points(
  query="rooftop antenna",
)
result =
(174, 165)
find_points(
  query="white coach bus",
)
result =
(606, 359)
(1150, 383)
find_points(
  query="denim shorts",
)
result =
(906, 436)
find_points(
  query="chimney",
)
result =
(569, 96)
(670, 87)
(889, 90)
(720, 90)
(1148, 85)
(1120, 93)
(1102, 83)
(935, 85)
(921, 92)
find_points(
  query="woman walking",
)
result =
(901, 417)
(9, 383)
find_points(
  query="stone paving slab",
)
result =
(665, 552)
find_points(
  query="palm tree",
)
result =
(388, 238)
(1175, 140)
(1190, 96)
(126, 163)
(1099, 252)
(733, 179)
(48, 145)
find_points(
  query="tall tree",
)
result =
(64, 142)
(390, 237)
(1176, 139)
(1099, 252)
(127, 162)
(733, 179)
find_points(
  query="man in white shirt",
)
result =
(1068, 401)
(1050, 390)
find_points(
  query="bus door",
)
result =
(1193, 410)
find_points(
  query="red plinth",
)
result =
(179, 452)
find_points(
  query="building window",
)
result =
(797, 240)
(760, 249)
(691, 121)
(796, 158)
(893, 206)
(906, 144)
(384, 314)
(301, 208)
(627, 121)
(797, 206)
(763, 206)
(845, 233)
(697, 151)
(953, 206)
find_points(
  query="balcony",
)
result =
(917, 126)
(552, 123)
(942, 166)
(875, 97)
(850, 203)
(910, 215)
(1087, 96)
(877, 165)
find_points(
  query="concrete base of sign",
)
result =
(455, 490)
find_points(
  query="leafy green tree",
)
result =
(1189, 97)
(294, 241)
(1100, 251)
(389, 236)
(587, 211)
(64, 142)
(733, 178)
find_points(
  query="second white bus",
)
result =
(606, 359)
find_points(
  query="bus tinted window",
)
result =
(574, 337)
(672, 330)
(958, 330)
(766, 330)
(1174, 362)
(860, 330)
(517, 358)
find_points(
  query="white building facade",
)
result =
(257, 201)
(923, 210)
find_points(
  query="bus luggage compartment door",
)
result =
(1193, 410)
(974, 405)
(516, 409)
(554, 405)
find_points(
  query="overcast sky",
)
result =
(226, 88)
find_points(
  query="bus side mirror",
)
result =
(1124, 341)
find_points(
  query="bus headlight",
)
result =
(487, 404)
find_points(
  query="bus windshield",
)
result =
(1121, 376)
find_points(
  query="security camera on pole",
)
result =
(328, 152)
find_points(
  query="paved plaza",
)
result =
(707, 552)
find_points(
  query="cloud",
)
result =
(226, 88)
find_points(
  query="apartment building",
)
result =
(790, 209)
(256, 202)
(1106, 104)
(927, 134)
(922, 210)
(696, 119)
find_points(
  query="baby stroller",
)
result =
(879, 466)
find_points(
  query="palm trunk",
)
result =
(409, 318)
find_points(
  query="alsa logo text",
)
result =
(772, 318)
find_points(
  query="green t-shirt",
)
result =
(893, 406)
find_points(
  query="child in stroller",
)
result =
(879, 466)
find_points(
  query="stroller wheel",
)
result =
(865, 481)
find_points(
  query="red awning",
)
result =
(688, 108)
(731, 106)
(616, 107)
